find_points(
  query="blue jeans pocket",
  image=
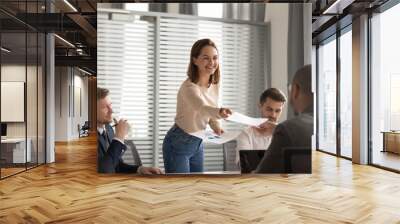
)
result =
(182, 152)
(179, 139)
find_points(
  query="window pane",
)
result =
(386, 88)
(210, 10)
(13, 83)
(327, 97)
(137, 7)
(346, 94)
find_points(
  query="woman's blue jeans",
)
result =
(183, 153)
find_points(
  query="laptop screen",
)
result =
(249, 159)
(3, 129)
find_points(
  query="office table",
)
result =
(208, 173)
(13, 150)
(391, 141)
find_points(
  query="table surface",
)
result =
(391, 132)
(206, 173)
(13, 140)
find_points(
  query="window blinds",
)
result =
(125, 63)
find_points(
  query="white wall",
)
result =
(50, 94)
(69, 82)
(308, 48)
(16, 73)
(278, 17)
(79, 117)
(61, 103)
(360, 90)
(314, 89)
(173, 8)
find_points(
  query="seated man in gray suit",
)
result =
(110, 146)
(292, 133)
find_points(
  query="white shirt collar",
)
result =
(101, 129)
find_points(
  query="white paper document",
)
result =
(211, 137)
(243, 119)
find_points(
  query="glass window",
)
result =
(14, 153)
(385, 84)
(138, 7)
(210, 10)
(327, 96)
(22, 94)
(204, 9)
(346, 94)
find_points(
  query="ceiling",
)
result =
(331, 15)
(75, 22)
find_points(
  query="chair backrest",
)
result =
(297, 159)
(131, 155)
(86, 125)
(229, 152)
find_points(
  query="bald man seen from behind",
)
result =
(293, 135)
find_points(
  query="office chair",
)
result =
(229, 153)
(131, 155)
(84, 130)
(86, 126)
(297, 159)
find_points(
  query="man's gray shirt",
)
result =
(292, 133)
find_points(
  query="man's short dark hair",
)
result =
(274, 94)
(303, 79)
(102, 93)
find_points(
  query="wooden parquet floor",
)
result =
(10, 171)
(70, 191)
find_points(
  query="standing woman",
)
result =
(197, 103)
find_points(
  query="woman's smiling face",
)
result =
(207, 62)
